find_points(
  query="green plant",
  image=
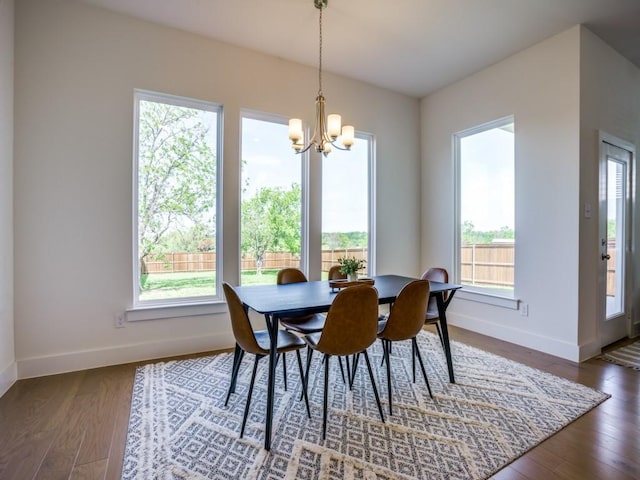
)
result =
(350, 265)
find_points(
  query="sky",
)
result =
(487, 179)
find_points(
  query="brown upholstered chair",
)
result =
(303, 324)
(436, 274)
(350, 328)
(257, 343)
(404, 322)
(335, 274)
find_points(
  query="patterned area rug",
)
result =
(628, 356)
(179, 427)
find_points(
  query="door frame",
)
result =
(629, 270)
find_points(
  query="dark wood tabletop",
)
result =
(315, 297)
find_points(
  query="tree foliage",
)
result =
(471, 236)
(271, 221)
(341, 240)
(176, 177)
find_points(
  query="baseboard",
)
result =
(83, 360)
(8, 377)
(590, 350)
(523, 338)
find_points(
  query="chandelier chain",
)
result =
(320, 59)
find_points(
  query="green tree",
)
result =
(271, 221)
(471, 236)
(176, 175)
(340, 240)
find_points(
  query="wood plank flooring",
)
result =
(74, 426)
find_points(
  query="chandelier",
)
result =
(327, 129)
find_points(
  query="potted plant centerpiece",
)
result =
(350, 266)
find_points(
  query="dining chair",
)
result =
(303, 324)
(350, 328)
(258, 343)
(432, 317)
(404, 322)
(336, 274)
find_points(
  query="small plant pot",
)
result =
(352, 277)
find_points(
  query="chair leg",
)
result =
(424, 373)
(326, 394)
(238, 354)
(306, 373)
(413, 361)
(387, 346)
(383, 357)
(341, 369)
(284, 369)
(246, 408)
(304, 388)
(373, 384)
(349, 372)
(356, 358)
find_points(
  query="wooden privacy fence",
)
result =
(173, 262)
(490, 265)
(330, 257)
(206, 261)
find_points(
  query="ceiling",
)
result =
(409, 46)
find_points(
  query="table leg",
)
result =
(445, 334)
(272, 326)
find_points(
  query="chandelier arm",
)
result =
(335, 145)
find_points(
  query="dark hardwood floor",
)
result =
(74, 425)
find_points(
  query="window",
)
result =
(485, 236)
(347, 200)
(176, 206)
(272, 220)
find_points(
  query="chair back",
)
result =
(436, 274)
(242, 330)
(290, 275)
(335, 274)
(406, 318)
(352, 321)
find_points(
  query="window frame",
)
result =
(304, 185)
(169, 308)
(493, 296)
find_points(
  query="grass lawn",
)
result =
(195, 284)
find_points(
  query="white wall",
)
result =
(76, 68)
(609, 101)
(7, 355)
(540, 87)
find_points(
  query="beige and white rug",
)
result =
(180, 429)
(628, 356)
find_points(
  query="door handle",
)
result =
(606, 256)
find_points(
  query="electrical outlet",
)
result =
(524, 309)
(118, 320)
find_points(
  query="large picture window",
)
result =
(271, 219)
(485, 162)
(176, 165)
(347, 200)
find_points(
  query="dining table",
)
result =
(292, 299)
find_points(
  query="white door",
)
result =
(615, 237)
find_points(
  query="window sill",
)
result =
(488, 298)
(174, 311)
